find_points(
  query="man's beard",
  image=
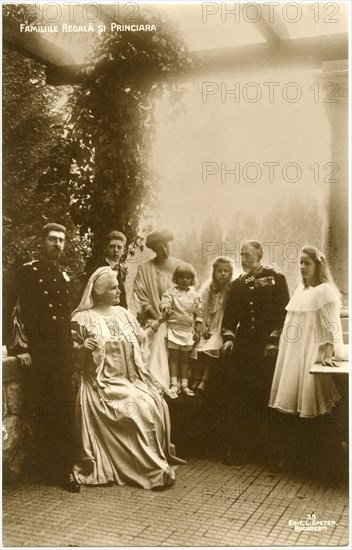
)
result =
(53, 253)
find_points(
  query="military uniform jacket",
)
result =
(255, 308)
(45, 308)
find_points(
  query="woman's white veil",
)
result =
(87, 297)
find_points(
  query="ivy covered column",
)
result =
(112, 128)
(121, 176)
(335, 77)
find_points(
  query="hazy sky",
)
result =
(206, 25)
(193, 152)
(218, 131)
(277, 117)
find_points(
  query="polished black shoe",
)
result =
(72, 486)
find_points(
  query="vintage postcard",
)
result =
(175, 260)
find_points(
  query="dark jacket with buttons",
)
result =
(255, 308)
(45, 310)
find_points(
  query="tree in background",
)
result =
(111, 128)
(35, 160)
(187, 247)
(200, 249)
(93, 170)
(286, 229)
(211, 244)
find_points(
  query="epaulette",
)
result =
(274, 268)
(31, 263)
(66, 269)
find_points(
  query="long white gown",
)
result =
(122, 421)
(313, 319)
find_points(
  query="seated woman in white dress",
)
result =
(312, 333)
(122, 420)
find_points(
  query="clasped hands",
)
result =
(90, 344)
(165, 311)
(197, 336)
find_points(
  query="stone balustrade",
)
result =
(15, 432)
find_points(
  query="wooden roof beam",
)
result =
(33, 45)
(302, 53)
(271, 28)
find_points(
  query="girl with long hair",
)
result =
(213, 295)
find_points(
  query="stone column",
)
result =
(334, 86)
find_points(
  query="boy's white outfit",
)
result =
(186, 309)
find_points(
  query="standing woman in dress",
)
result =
(312, 333)
(153, 278)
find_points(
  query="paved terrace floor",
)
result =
(210, 505)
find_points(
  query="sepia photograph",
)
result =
(175, 283)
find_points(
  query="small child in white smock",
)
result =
(182, 309)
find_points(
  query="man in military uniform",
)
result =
(113, 249)
(253, 319)
(44, 301)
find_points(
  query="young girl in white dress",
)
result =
(312, 333)
(213, 295)
(181, 308)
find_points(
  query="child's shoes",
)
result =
(174, 390)
(186, 391)
(172, 393)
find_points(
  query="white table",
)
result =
(318, 368)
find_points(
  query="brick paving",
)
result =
(210, 505)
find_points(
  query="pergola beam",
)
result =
(272, 31)
(33, 45)
(276, 54)
(302, 53)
